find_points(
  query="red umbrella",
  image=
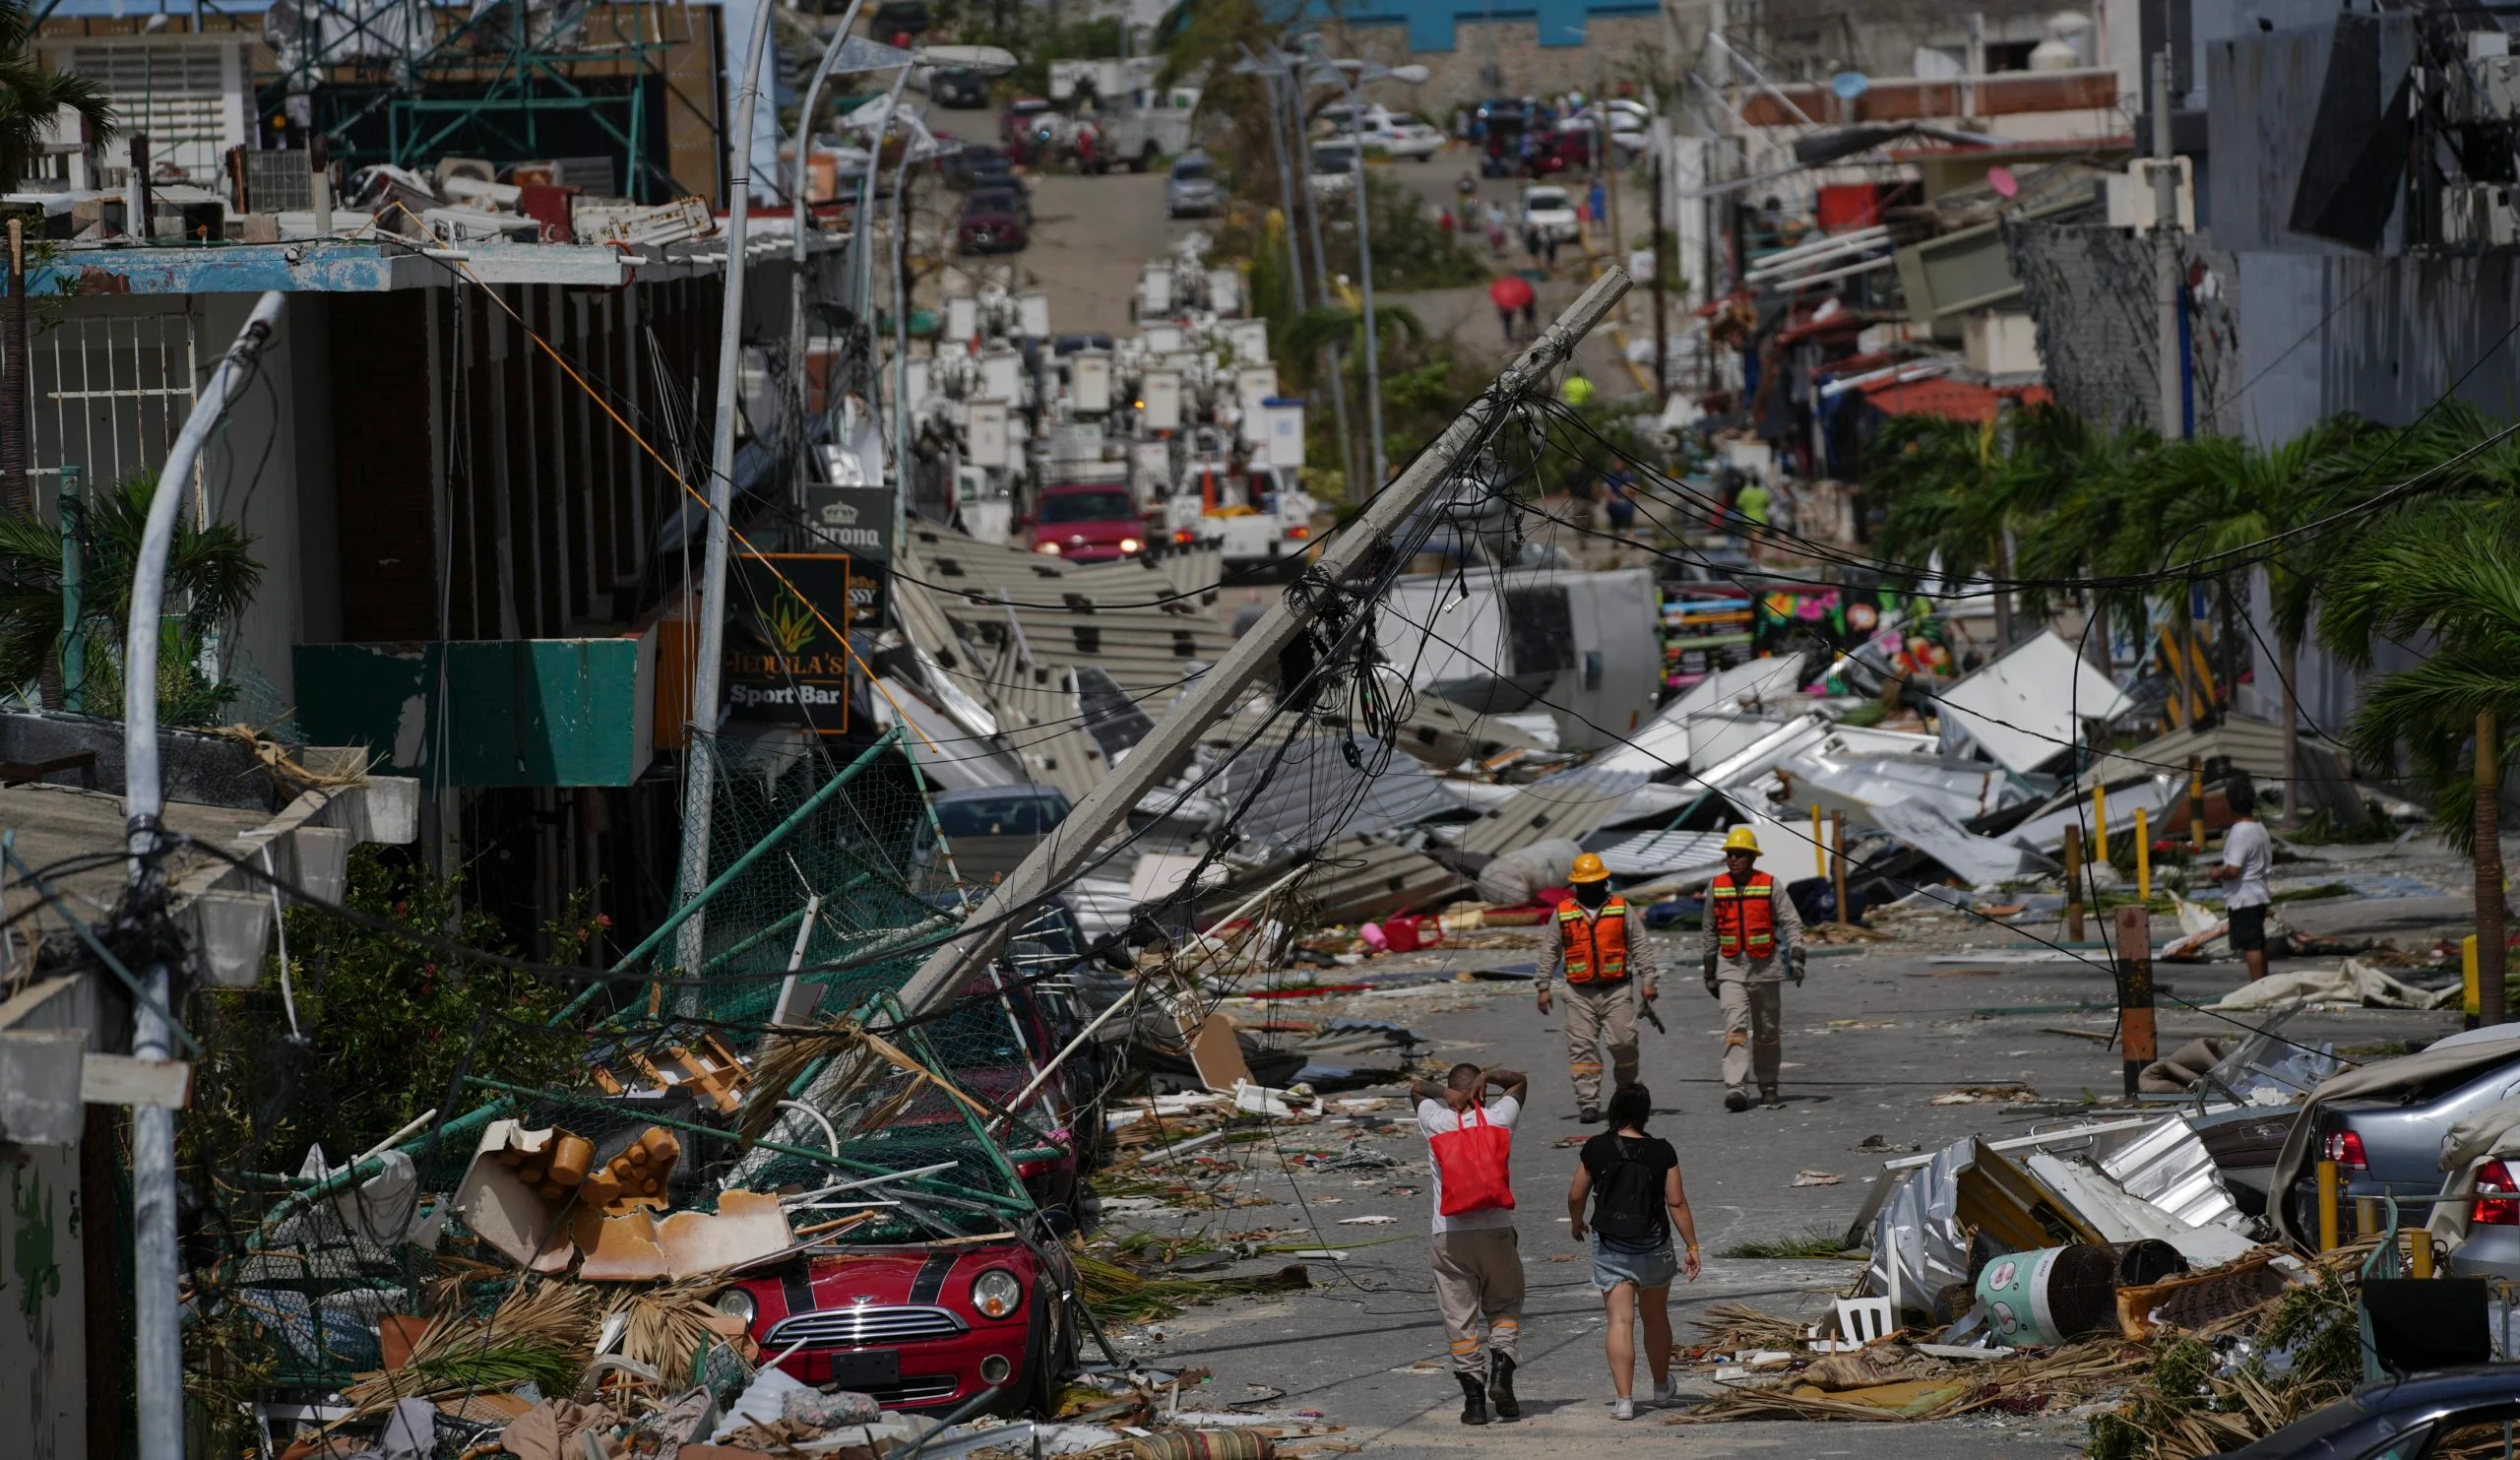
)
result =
(1510, 291)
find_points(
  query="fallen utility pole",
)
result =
(1349, 556)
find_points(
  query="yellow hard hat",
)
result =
(1743, 839)
(1589, 868)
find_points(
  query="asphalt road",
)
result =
(1876, 1034)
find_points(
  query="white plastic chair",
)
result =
(1863, 1320)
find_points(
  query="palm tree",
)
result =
(1956, 493)
(210, 570)
(2446, 571)
(2219, 495)
(30, 97)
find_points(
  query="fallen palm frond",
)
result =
(668, 1327)
(1931, 1389)
(784, 1059)
(1118, 1295)
(1817, 1241)
(1737, 1325)
(541, 1333)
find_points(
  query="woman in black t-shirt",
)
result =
(1632, 1180)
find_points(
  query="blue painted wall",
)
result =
(1432, 24)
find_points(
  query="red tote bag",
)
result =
(1474, 1161)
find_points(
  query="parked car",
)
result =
(1549, 211)
(1088, 524)
(2447, 1412)
(988, 829)
(959, 88)
(917, 1327)
(1403, 138)
(1193, 189)
(2392, 1145)
(992, 223)
(1334, 171)
(968, 164)
(1569, 148)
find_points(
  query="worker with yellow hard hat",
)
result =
(1602, 956)
(1749, 920)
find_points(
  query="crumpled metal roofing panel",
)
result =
(1571, 804)
(1362, 877)
(1312, 794)
(1656, 853)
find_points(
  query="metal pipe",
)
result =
(699, 788)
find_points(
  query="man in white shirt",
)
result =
(1479, 1261)
(2248, 855)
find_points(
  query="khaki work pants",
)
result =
(1598, 1013)
(1754, 1032)
(1479, 1275)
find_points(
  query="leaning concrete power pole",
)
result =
(1351, 555)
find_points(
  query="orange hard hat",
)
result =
(1589, 868)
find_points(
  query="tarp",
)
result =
(2023, 708)
(2356, 984)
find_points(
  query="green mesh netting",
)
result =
(849, 843)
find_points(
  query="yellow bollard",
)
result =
(2468, 976)
(2143, 860)
(1819, 843)
(2419, 1256)
(2327, 1206)
(2100, 823)
(2366, 1215)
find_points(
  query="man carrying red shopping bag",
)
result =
(1479, 1262)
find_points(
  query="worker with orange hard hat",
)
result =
(1601, 949)
(1749, 920)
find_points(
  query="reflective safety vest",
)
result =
(1597, 946)
(1745, 917)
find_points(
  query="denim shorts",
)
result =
(1654, 1269)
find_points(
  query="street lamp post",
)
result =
(1348, 76)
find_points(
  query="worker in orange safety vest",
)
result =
(1749, 922)
(1601, 949)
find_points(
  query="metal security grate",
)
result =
(857, 1327)
(110, 391)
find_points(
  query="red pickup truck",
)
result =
(1089, 524)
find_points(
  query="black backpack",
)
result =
(1627, 1200)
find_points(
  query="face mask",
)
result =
(1593, 894)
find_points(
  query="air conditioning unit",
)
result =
(2479, 215)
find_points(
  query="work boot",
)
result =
(1768, 1098)
(1736, 1101)
(1588, 1116)
(1500, 1384)
(1473, 1399)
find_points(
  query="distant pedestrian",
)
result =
(1633, 1182)
(1478, 1259)
(2248, 855)
(1618, 500)
(1531, 242)
(1601, 201)
(1549, 241)
(1531, 317)
(1509, 292)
